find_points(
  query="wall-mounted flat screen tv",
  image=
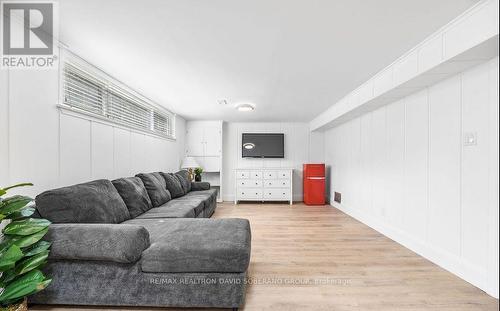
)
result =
(263, 145)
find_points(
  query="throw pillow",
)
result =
(173, 185)
(91, 202)
(156, 188)
(134, 194)
(183, 177)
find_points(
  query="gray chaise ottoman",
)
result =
(183, 263)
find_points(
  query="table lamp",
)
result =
(190, 163)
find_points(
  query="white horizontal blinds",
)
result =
(107, 100)
(82, 91)
(128, 110)
(162, 124)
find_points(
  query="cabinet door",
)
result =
(212, 139)
(194, 142)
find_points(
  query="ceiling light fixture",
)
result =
(245, 107)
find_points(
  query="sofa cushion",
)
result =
(102, 242)
(93, 202)
(156, 188)
(173, 185)
(206, 194)
(172, 209)
(183, 177)
(198, 203)
(134, 194)
(196, 245)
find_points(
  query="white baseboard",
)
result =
(450, 262)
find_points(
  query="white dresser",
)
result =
(263, 184)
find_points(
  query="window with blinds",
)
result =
(101, 98)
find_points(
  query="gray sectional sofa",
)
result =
(143, 241)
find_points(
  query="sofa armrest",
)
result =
(103, 242)
(200, 185)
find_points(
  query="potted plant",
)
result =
(22, 251)
(197, 173)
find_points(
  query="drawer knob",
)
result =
(283, 193)
(256, 183)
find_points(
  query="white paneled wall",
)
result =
(404, 170)
(301, 146)
(4, 125)
(52, 148)
(93, 149)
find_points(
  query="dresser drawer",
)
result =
(249, 183)
(270, 174)
(242, 174)
(277, 183)
(256, 174)
(250, 193)
(284, 174)
(277, 194)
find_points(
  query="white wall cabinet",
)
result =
(195, 141)
(204, 140)
(204, 143)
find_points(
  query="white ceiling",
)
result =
(291, 58)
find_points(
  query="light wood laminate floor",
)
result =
(318, 258)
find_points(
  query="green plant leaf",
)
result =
(23, 286)
(24, 184)
(22, 250)
(7, 276)
(5, 243)
(25, 212)
(31, 263)
(4, 190)
(14, 204)
(43, 285)
(25, 241)
(9, 257)
(26, 226)
(36, 248)
(32, 276)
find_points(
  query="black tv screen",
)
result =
(262, 145)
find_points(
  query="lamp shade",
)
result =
(189, 162)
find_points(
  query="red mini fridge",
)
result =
(314, 184)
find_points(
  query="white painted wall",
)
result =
(53, 148)
(301, 146)
(403, 169)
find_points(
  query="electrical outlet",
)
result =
(338, 197)
(470, 139)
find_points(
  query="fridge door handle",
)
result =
(315, 177)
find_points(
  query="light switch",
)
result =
(470, 139)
